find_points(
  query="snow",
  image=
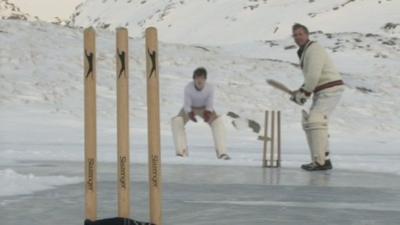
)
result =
(13, 183)
(227, 21)
(8, 10)
(41, 86)
(48, 10)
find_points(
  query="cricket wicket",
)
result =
(272, 139)
(123, 149)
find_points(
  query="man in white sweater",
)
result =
(323, 81)
(199, 101)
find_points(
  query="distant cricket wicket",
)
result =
(272, 139)
(123, 158)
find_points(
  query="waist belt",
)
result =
(328, 85)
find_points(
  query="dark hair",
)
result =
(201, 71)
(299, 26)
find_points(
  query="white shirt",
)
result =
(196, 98)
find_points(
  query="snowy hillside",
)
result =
(41, 93)
(241, 43)
(55, 11)
(227, 21)
(8, 10)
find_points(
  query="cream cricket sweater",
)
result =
(317, 67)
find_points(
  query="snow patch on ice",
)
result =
(13, 183)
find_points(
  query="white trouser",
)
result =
(315, 123)
(180, 141)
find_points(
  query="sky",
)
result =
(48, 9)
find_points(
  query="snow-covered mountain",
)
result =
(233, 21)
(55, 11)
(9, 10)
(241, 43)
(41, 87)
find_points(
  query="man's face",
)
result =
(300, 37)
(200, 81)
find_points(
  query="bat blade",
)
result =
(280, 86)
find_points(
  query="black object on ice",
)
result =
(316, 167)
(252, 124)
(116, 221)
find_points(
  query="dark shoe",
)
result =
(183, 154)
(316, 167)
(328, 164)
(305, 166)
(224, 157)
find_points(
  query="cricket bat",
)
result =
(280, 86)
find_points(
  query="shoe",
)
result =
(224, 157)
(316, 167)
(328, 164)
(183, 154)
(305, 166)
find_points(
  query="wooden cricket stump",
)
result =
(153, 119)
(272, 140)
(122, 73)
(123, 158)
(90, 123)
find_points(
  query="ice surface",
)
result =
(219, 195)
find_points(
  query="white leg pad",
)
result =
(316, 127)
(179, 134)
(218, 131)
(304, 121)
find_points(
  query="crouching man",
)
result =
(199, 101)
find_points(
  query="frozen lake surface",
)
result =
(211, 195)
